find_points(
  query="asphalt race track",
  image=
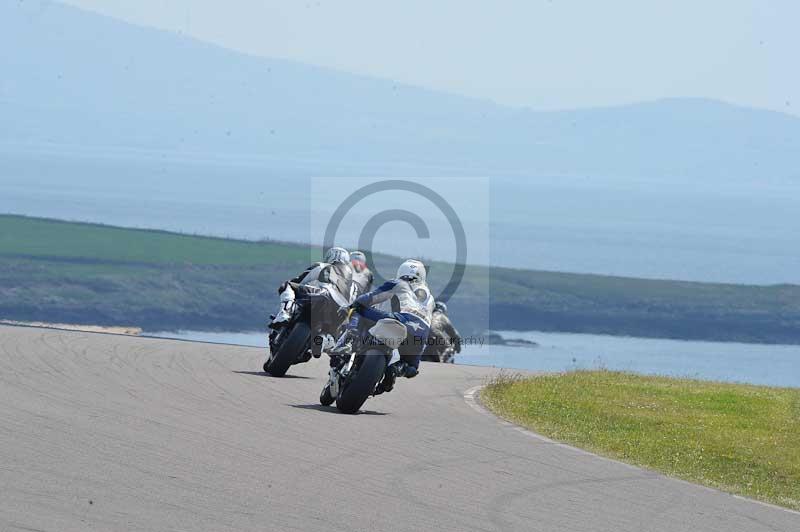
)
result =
(107, 433)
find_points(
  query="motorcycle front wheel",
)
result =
(363, 383)
(289, 351)
(325, 397)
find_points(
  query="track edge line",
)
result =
(471, 397)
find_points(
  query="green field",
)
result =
(86, 273)
(738, 438)
(42, 239)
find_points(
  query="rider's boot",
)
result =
(387, 384)
(286, 308)
(410, 372)
(344, 343)
(403, 369)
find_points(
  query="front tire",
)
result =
(364, 382)
(325, 397)
(289, 351)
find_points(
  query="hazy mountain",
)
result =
(75, 78)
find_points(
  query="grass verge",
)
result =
(739, 438)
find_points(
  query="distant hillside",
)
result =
(72, 78)
(82, 273)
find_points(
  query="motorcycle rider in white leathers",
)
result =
(408, 300)
(334, 276)
(362, 276)
(443, 335)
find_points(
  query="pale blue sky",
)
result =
(534, 53)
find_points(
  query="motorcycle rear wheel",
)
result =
(363, 383)
(289, 351)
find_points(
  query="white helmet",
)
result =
(335, 255)
(412, 270)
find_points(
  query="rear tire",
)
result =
(289, 351)
(363, 384)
